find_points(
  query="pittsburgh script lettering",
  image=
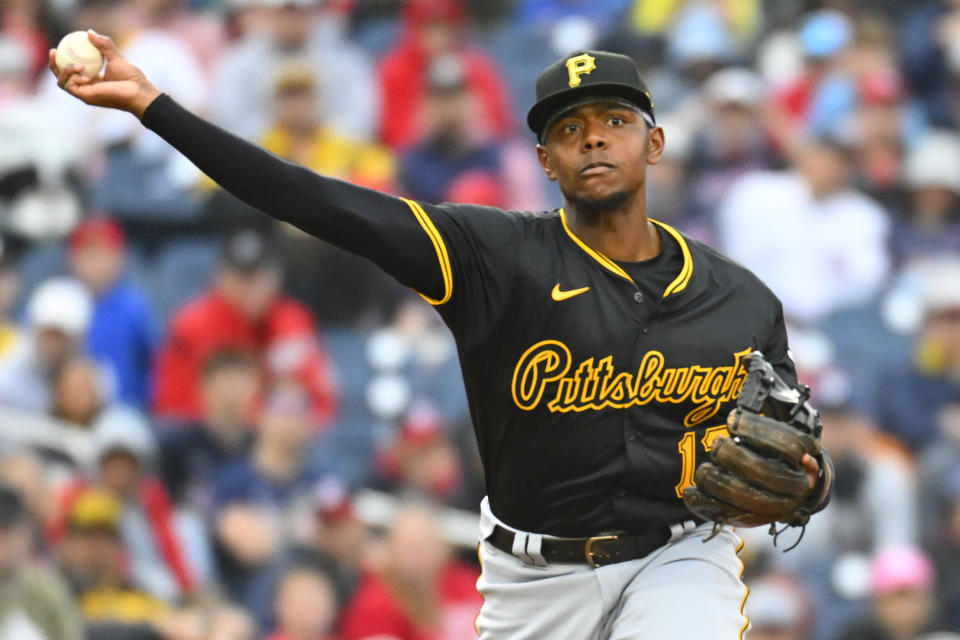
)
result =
(546, 373)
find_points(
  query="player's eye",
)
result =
(570, 127)
(615, 121)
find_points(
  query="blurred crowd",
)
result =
(213, 426)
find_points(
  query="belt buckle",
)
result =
(596, 557)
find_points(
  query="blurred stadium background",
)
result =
(215, 427)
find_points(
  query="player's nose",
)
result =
(593, 137)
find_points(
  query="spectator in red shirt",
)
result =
(245, 311)
(416, 591)
(434, 28)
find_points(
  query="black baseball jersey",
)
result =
(594, 394)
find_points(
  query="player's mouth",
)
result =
(596, 168)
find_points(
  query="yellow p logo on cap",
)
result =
(578, 66)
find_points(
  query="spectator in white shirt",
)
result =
(820, 244)
(58, 316)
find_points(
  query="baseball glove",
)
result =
(755, 476)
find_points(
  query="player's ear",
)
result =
(655, 142)
(545, 162)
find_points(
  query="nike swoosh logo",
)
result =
(558, 295)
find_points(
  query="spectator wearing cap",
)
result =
(192, 455)
(930, 224)
(57, 317)
(299, 132)
(340, 535)
(731, 140)
(121, 333)
(912, 397)
(289, 30)
(423, 463)
(243, 310)
(451, 163)
(262, 501)
(812, 237)
(93, 557)
(337, 286)
(903, 601)
(415, 590)
(433, 29)
(34, 604)
(84, 550)
(165, 555)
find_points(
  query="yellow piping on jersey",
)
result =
(681, 281)
(596, 255)
(746, 620)
(440, 247)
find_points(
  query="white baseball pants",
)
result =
(687, 589)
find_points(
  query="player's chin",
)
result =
(598, 201)
(601, 190)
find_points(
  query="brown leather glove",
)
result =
(755, 477)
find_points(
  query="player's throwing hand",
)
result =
(122, 85)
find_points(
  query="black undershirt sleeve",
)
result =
(374, 225)
(777, 352)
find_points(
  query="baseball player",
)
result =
(602, 352)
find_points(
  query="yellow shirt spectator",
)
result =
(743, 17)
(333, 155)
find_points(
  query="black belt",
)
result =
(596, 551)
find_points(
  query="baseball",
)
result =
(76, 48)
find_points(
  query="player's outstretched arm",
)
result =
(372, 224)
(123, 86)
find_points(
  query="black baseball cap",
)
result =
(583, 75)
(249, 250)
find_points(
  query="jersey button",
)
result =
(631, 435)
(638, 297)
